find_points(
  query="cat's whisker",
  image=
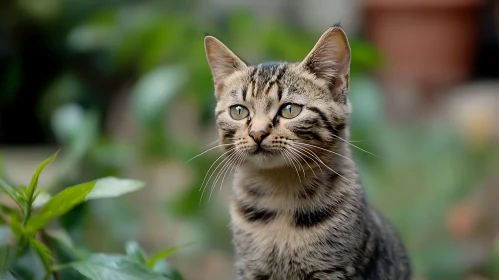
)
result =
(218, 146)
(207, 172)
(221, 164)
(326, 150)
(230, 165)
(325, 165)
(236, 165)
(311, 154)
(297, 161)
(300, 154)
(204, 184)
(212, 143)
(355, 146)
(294, 167)
(223, 170)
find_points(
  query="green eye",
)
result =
(290, 111)
(238, 112)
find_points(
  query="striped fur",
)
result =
(298, 209)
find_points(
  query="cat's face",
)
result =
(275, 114)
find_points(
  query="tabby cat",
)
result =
(298, 209)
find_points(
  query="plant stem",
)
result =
(27, 213)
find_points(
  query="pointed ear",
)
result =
(223, 62)
(329, 60)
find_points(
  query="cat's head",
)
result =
(267, 112)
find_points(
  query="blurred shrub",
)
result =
(28, 248)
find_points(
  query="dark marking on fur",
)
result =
(281, 73)
(275, 121)
(228, 132)
(332, 130)
(310, 121)
(262, 277)
(254, 214)
(308, 191)
(268, 88)
(307, 218)
(307, 134)
(318, 274)
(279, 92)
(254, 190)
(245, 91)
(370, 268)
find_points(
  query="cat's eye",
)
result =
(238, 112)
(290, 111)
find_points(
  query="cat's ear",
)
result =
(329, 60)
(223, 62)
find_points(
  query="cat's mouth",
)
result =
(260, 150)
(265, 157)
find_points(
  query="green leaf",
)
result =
(134, 250)
(34, 180)
(115, 267)
(11, 192)
(160, 256)
(44, 252)
(7, 257)
(68, 198)
(60, 204)
(113, 187)
(15, 224)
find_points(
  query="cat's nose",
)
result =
(259, 135)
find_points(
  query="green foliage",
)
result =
(106, 266)
(35, 245)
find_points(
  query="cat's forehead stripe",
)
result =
(264, 76)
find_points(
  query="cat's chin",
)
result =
(262, 161)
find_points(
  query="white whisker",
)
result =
(355, 146)
(230, 163)
(207, 172)
(237, 162)
(222, 145)
(335, 153)
(297, 162)
(300, 154)
(325, 165)
(294, 167)
(309, 153)
(211, 143)
(233, 152)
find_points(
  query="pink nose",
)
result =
(258, 136)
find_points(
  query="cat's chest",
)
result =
(280, 252)
(274, 229)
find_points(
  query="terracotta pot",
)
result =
(428, 44)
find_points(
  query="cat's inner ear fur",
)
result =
(329, 60)
(223, 62)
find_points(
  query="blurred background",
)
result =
(124, 89)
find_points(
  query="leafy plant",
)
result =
(30, 249)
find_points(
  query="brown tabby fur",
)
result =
(298, 209)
